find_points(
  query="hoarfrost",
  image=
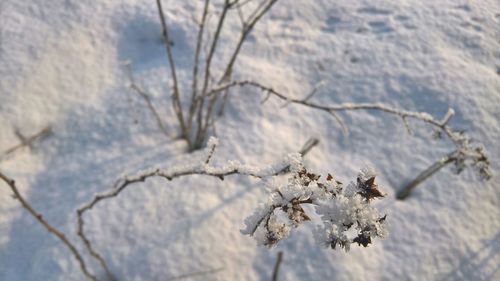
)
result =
(346, 214)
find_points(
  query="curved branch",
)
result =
(202, 169)
(50, 228)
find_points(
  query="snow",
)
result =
(61, 64)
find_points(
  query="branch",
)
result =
(431, 170)
(212, 144)
(248, 26)
(147, 99)
(455, 137)
(215, 40)
(238, 4)
(27, 141)
(199, 42)
(273, 208)
(176, 101)
(51, 229)
(465, 151)
(91, 249)
(310, 143)
(277, 266)
(175, 172)
(202, 169)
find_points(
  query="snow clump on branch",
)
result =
(346, 212)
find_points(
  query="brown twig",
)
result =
(27, 141)
(176, 100)
(310, 143)
(238, 4)
(199, 43)
(147, 99)
(211, 151)
(277, 266)
(50, 228)
(91, 249)
(431, 170)
(199, 130)
(271, 211)
(248, 26)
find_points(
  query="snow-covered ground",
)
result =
(61, 64)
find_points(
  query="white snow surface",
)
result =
(61, 64)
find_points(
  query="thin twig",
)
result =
(341, 123)
(252, 20)
(211, 151)
(199, 132)
(263, 101)
(225, 99)
(240, 4)
(241, 16)
(407, 124)
(248, 26)
(176, 100)
(277, 266)
(27, 141)
(50, 228)
(199, 43)
(310, 143)
(91, 249)
(147, 99)
(406, 190)
(272, 209)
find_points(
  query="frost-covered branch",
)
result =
(50, 228)
(202, 167)
(466, 152)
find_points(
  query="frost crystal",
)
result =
(347, 214)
